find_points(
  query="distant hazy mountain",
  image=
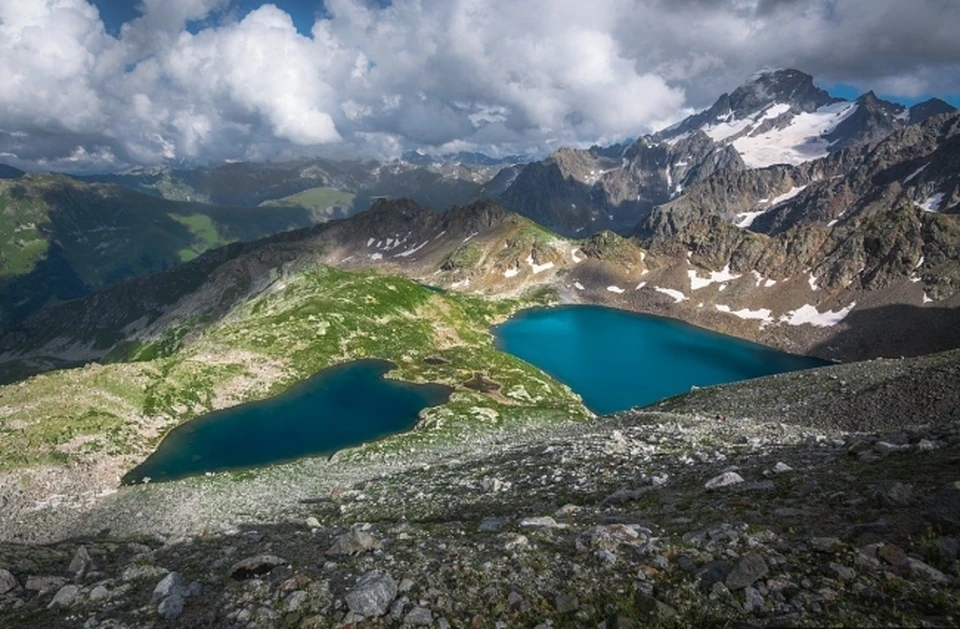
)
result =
(61, 239)
(467, 158)
(251, 184)
(9, 172)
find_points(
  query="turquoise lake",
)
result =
(342, 406)
(616, 360)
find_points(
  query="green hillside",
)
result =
(316, 318)
(60, 239)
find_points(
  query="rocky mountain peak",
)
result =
(788, 86)
(928, 109)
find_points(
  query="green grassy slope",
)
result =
(314, 319)
(60, 239)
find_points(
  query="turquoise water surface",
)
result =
(342, 406)
(617, 360)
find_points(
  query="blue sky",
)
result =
(304, 12)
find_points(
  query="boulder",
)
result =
(750, 568)
(171, 607)
(727, 479)
(81, 564)
(173, 583)
(353, 542)
(372, 595)
(64, 596)
(8, 582)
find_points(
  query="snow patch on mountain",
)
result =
(808, 314)
(715, 277)
(745, 219)
(762, 314)
(932, 204)
(616, 289)
(538, 268)
(800, 141)
(676, 295)
(915, 173)
(786, 196)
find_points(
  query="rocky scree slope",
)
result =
(642, 518)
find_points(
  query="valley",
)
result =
(824, 230)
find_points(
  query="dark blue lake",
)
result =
(338, 407)
(616, 360)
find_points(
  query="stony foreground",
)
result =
(641, 518)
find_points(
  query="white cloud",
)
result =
(520, 76)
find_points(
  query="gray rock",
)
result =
(44, 584)
(173, 583)
(883, 447)
(99, 593)
(312, 523)
(171, 607)
(841, 572)
(372, 595)
(295, 601)
(491, 485)
(919, 570)
(566, 603)
(650, 606)
(713, 572)
(925, 445)
(544, 522)
(753, 600)
(8, 582)
(140, 572)
(944, 507)
(727, 479)
(514, 599)
(515, 541)
(782, 468)
(490, 525)
(750, 568)
(255, 566)
(64, 596)
(893, 494)
(353, 542)
(419, 617)
(81, 564)
(825, 544)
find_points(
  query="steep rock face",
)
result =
(873, 120)
(578, 192)
(777, 118)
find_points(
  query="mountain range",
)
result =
(132, 304)
(779, 117)
(819, 256)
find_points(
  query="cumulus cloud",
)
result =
(494, 75)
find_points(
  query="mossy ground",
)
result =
(304, 323)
